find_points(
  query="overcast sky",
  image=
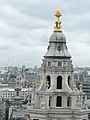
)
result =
(26, 26)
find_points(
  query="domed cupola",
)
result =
(57, 36)
(57, 45)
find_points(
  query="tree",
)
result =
(12, 76)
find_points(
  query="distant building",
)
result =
(2, 111)
(83, 76)
(3, 85)
(30, 75)
(23, 68)
(17, 113)
(9, 93)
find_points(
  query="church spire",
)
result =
(58, 26)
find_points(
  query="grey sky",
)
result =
(26, 26)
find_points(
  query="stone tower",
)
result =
(57, 97)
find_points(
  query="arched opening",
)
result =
(35, 119)
(59, 101)
(69, 101)
(48, 78)
(59, 82)
(30, 97)
(69, 81)
(50, 101)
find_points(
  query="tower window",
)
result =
(59, 63)
(59, 101)
(50, 101)
(35, 119)
(69, 81)
(59, 82)
(48, 78)
(68, 101)
(49, 63)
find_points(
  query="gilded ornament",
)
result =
(58, 26)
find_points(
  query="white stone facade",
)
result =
(57, 97)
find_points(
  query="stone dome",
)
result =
(57, 36)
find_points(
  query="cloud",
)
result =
(15, 18)
(26, 27)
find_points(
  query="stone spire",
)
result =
(57, 98)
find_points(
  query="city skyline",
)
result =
(26, 27)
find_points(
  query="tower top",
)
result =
(58, 26)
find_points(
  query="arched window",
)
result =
(59, 82)
(50, 101)
(69, 81)
(35, 119)
(59, 101)
(69, 101)
(49, 63)
(48, 78)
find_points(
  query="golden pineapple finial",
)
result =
(58, 26)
